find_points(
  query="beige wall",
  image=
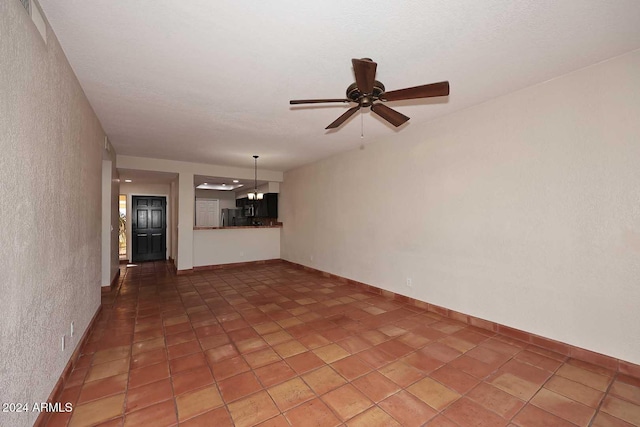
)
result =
(115, 216)
(173, 221)
(226, 246)
(524, 210)
(110, 214)
(50, 216)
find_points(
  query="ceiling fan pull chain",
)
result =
(361, 124)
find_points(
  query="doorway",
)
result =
(148, 228)
(207, 212)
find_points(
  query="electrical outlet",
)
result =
(72, 328)
(310, 257)
(64, 342)
(241, 253)
(409, 282)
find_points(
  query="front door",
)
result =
(148, 228)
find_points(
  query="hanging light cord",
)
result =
(255, 180)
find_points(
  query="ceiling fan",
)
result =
(366, 90)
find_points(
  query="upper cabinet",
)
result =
(268, 206)
(240, 203)
(265, 208)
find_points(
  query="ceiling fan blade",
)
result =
(389, 114)
(424, 91)
(343, 118)
(365, 72)
(316, 101)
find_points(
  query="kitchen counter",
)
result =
(236, 227)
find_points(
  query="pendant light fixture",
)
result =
(255, 195)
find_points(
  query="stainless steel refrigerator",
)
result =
(232, 217)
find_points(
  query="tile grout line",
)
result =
(527, 402)
(602, 399)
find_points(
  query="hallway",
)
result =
(281, 346)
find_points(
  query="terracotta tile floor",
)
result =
(275, 346)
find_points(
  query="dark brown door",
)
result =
(148, 228)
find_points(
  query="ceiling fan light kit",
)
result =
(367, 90)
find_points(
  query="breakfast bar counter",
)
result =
(227, 245)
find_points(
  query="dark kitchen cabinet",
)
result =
(270, 205)
(248, 206)
(265, 208)
(241, 203)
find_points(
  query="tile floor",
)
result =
(274, 346)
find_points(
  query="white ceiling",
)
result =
(209, 81)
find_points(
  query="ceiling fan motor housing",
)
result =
(365, 100)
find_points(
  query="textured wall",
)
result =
(50, 174)
(524, 210)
